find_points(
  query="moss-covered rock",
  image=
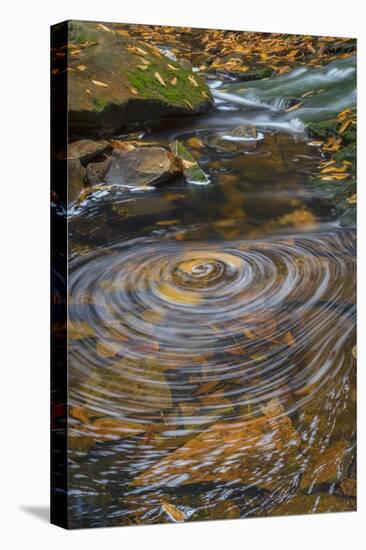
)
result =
(323, 129)
(114, 80)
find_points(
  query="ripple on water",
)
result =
(165, 317)
(224, 361)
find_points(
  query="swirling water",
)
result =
(211, 339)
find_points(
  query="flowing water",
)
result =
(212, 334)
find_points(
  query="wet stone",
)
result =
(86, 149)
(96, 171)
(76, 179)
(255, 452)
(317, 503)
(327, 466)
(141, 167)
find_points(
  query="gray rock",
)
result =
(86, 149)
(141, 167)
(96, 171)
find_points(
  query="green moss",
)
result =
(346, 153)
(258, 73)
(146, 83)
(350, 135)
(324, 129)
(99, 104)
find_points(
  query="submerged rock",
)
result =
(327, 466)
(141, 167)
(242, 138)
(114, 80)
(261, 452)
(319, 503)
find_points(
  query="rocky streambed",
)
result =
(211, 279)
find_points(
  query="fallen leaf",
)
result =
(293, 107)
(193, 81)
(160, 79)
(174, 81)
(100, 84)
(104, 28)
(173, 512)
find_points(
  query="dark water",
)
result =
(211, 345)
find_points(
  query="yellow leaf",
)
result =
(108, 349)
(293, 107)
(353, 199)
(104, 28)
(77, 330)
(179, 296)
(289, 339)
(173, 512)
(174, 81)
(81, 67)
(134, 91)
(344, 126)
(192, 81)
(100, 84)
(333, 169)
(172, 67)
(160, 79)
(142, 67)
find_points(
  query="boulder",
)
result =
(262, 452)
(141, 167)
(96, 171)
(114, 80)
(86, 149)
(76, 179)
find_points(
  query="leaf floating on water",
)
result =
(289, 339)
(352, 199)
(173, 512)
(100, 84)
(108, 349)
(184, 297)
(78, 330)
(249, 333)
(160, 79)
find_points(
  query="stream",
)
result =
(215, 305)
